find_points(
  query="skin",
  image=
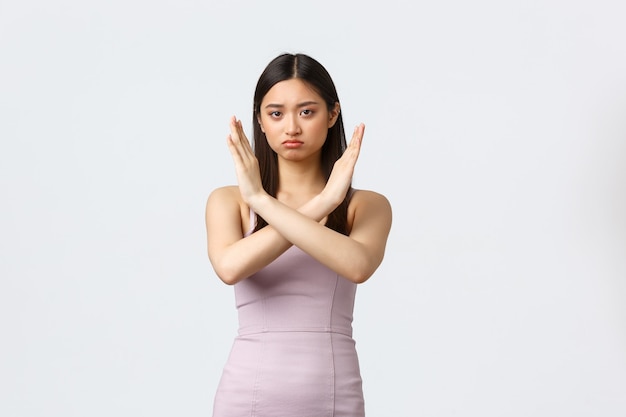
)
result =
(295, 120)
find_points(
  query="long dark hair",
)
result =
(303, 67)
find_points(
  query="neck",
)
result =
(299, 181)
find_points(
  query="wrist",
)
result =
(259, 201)
(329, 202)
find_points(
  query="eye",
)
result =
(275, 114)
(306, 112)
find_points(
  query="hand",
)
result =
(246, 164)
(341, 176)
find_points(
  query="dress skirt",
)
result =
(291, 374)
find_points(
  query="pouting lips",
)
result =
(292, 143)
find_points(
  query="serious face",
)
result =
(295, 120)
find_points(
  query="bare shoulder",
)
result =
(224, 200)
(369, 208)
(226, 208)
(369, 199)
(228, 193)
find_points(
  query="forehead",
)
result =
(291, 91)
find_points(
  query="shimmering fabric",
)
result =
(294, 355)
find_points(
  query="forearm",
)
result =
(346, 256)
(246, 256)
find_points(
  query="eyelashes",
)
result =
(305, 113)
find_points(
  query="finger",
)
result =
(354, 147)
(242, 139)
(238, 140)
(245, 138)
(357, 136)
(362, 132)
(234, 131)
(234, 149)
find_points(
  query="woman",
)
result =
(294, 239)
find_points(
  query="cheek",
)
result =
(271, 131)
(322, 129)
(273, 136)
(267, 127)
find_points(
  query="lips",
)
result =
(291, 143)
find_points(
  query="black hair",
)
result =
(303, 67)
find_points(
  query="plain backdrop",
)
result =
(497, 130)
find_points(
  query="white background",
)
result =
(496, 129)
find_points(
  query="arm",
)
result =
(235, 257)
(354, 257)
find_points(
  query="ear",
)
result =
(258, 119)
(334, 115)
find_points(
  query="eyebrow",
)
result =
(280, 106)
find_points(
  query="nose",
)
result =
(292, 127)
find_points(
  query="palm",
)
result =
(341, 175)
(246, 163)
